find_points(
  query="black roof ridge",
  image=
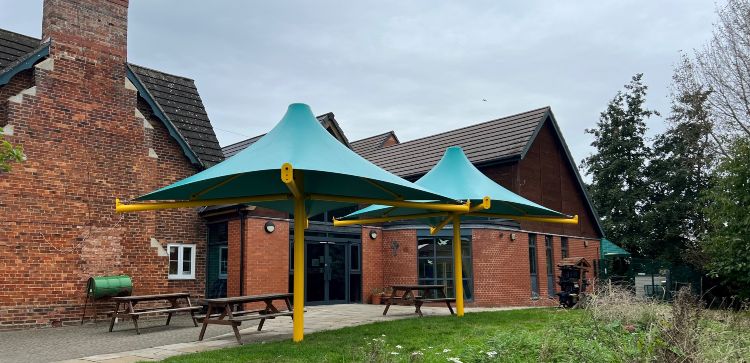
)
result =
(472, 125)
(162, 72)
(374, 136)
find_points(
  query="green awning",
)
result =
(610, 249)
(329, 168)
(456, 177)
(298, 167)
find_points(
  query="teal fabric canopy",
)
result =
(456, 177)
(329, 168)
(610, 249)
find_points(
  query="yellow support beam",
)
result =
(573, 220)
(394, 203)
(351, 222)
(140, 207)
(458, 281)
(298, 311)
(287, 176)
(486, 204)
(442, 224)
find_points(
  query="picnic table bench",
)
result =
(409, 297)
(129, 311)
(229, 311)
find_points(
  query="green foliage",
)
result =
(618, 185)
(678, 173)
(528, 335)
(9, 154)
(728, 210)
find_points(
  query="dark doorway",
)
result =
(333, 273)
(217, 259)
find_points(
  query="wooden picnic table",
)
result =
(410, 298)
(229, 311)
(129, 311)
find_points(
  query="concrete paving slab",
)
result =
(92, 343)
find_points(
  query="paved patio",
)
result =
(92, 342)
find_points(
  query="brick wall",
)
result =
(399, 267)
(372, 262)
(85, 146)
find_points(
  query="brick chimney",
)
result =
(90, 28)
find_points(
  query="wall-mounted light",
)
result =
(373, 234)
(269, 227)
(513, 237)
(585, 243)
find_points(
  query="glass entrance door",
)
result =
(327, 272)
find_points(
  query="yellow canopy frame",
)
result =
(293, 179)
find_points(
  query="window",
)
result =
(223, 259)
(533, 271)
(435, 263)
(181, 261)
(550, 265)
(564, 247)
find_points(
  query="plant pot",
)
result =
(376, 299)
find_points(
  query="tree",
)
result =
(727, 243)
(617, 167)
(677, 175)
(723, 67)
(9, 154)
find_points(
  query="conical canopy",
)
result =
(329, 168)
(456, 177)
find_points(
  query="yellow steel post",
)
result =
(458, 281)
(299, 270)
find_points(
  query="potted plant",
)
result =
(376, 295)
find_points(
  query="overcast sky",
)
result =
(415, 67)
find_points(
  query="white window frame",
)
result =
(180, 260)
(221, 275)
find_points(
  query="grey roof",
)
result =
(230, 150)
(327, 120)
(176, 96)
(179, 99)
(500, 139)
(14, 46)
(371, 144)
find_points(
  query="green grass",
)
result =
(515, 336)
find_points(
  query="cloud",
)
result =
(416, 67)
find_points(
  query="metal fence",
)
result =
(650, 278)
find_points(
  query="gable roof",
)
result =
(505, 138)
(371, 144)
(14, 46)
(328, 120)
(179, 100)
(174, 99)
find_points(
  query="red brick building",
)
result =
(505, 263)
(95, 127)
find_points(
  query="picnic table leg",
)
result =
(205, 322)
(236, 333)
(445, 296)
(131, 308)
(418, 306)
(228, 312)
(390, 301)
(192, 312)
(288, 305)
(114, 316)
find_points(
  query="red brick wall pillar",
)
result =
(266, 257)
(399, 264)
(372, 262)
(501, 268)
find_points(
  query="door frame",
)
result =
(347, 242)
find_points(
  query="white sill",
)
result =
(176, 277)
